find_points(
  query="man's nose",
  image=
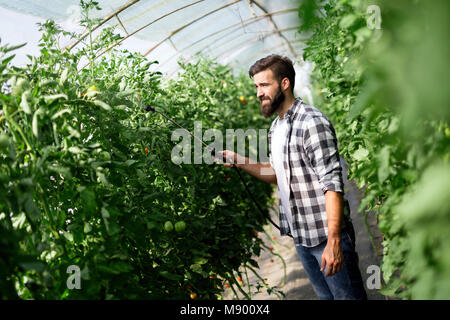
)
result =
(259, 93)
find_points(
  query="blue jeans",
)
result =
(346, 284)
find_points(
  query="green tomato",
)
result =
(3, 177)
(105, 156)
(168, 226)
(4, 141)
(180, 226)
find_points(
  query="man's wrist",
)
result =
(335, 236)
(241, 161)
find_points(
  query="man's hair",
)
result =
(281, 67)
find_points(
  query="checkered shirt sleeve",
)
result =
(320, 145)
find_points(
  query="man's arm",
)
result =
(262, 171)
(332, 256)
(319, 140)
(334, 205)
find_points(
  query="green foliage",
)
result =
(86, 176)
(383, 90)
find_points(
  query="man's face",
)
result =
(268, 92)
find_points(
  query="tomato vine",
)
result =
(380, 88)
(86, 177)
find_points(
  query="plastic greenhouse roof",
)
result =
(235, 32)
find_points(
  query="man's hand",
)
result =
(262, 171)
(230, 158)
(332, 257)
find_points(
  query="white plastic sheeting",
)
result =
(235, 32)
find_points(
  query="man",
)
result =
(304, 163)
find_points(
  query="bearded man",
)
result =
(304, 162)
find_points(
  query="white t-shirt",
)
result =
(278, 141)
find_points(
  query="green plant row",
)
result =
(87, 179)
(382, 86)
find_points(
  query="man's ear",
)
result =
(285, 83)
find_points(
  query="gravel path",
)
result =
(289, 276)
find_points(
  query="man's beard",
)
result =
(269, 109)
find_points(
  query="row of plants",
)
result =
(87, 178)
(379, 75)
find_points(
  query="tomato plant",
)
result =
(86, 177)
(374, 84)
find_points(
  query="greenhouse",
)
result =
(224, 150)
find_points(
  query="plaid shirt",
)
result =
(311, 160)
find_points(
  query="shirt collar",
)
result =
(292, 110)
(297, 103)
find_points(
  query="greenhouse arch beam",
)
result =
(244, 42)
(275, 27)
(233, 65)
(239, 25)
(188, 24)
(121, 24)
(232, 28)
(140, 29)
(248, 22)
(253, 56)
(250, 58)
(256, 40)
(106, 19)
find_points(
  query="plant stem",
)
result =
(17, 127)
(47, 211)
(263, 281)
(248, 282)
(234, 291)
(240, 289)
(284, 264)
